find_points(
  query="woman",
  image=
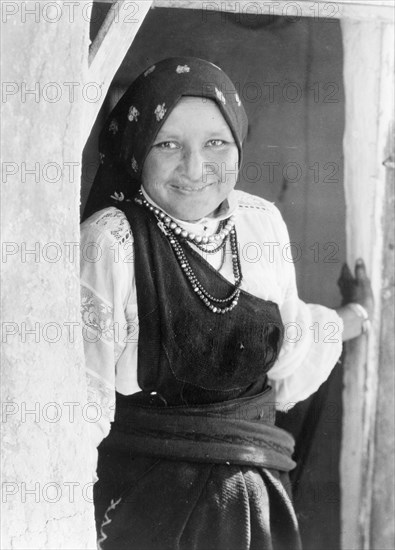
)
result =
(188, 332)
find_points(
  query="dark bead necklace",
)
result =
(206, 247)
(177, 238)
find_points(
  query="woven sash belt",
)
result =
(240, 431)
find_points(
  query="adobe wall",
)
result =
(47, 458)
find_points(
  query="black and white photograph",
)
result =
(197, 275)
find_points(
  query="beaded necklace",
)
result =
(177, 236)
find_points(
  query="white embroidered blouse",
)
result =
(110, 315)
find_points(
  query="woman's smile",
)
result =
(192, 165)
(191, 189)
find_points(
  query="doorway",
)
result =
(289, 74)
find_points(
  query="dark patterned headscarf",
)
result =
(134, 123)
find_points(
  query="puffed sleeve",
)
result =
(313, 335)
(105, 287)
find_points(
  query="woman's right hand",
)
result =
(356, 289)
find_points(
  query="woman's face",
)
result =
(193, 163)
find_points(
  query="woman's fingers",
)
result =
(360, 269)
(346, 272)
(345, 281)
(356, 288)
(364, 287)
(345, 275)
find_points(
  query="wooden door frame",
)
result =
(367, 28)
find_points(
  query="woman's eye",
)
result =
(216, 142)
(167, 145)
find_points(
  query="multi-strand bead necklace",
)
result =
(176, 235)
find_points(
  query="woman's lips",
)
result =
(191, 188)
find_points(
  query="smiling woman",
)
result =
(189, 121)
(189, 333)
(193, 164)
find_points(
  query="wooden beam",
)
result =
(382, 10)
(109, 49)
(369, 88)
(380, 3)
(382, 523)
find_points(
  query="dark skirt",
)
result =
(168, 503)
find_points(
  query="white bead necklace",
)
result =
(198, 240)
(216, 305)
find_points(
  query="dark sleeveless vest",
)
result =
(187, 354)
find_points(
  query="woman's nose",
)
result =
(194, 165)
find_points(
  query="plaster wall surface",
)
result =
(46, 454)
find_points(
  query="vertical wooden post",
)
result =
(382, 533)
(369, 86)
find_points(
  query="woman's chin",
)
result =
(194, 212)
(191, 216)
(193, 208)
